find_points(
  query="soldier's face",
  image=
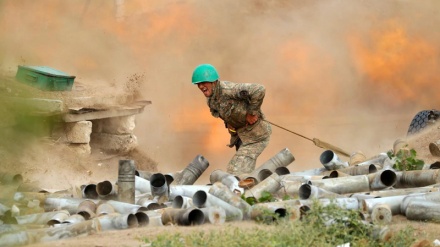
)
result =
(206, 88)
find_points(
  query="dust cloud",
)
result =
(351, 73)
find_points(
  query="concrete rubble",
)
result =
(147, 199)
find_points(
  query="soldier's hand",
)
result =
(251, 119)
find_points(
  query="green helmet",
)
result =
(204, 72)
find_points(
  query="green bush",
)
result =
(405, 160)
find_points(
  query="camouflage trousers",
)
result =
(246, 156)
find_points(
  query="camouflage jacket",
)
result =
(232, 101)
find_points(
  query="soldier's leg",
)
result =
(245, 158)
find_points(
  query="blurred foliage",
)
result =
(20, 123)
(321, 226)
(405, 160)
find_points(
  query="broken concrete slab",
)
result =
(82, 114)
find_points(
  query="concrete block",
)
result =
(112, 143)
(115, 125)
(82, 149)
(78, 132)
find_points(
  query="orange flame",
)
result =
(397, 62)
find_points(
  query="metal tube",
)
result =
(38, 219)
(169, 178)
(227, 179)
(149, 204)
(69, 204)
(423, 210)
(289, 188)
(73, 219)
(221, 191)
(335, 174)
(434, 148)
(359, 170)
(398, 145)
(435, 165)
(118, 221)
(250, 180)
(125, 208)
(192, 172)
(143, 174)
(187, 190)
(392, 201)
(271, 184)
(282, 170)
(429, 196)
(203, 199)
(87, 209)
(307, 191)
(381, 214)
(218, 175)
(311, 172)
(376, 160)
(382, 179)
(159, 187)
(281, 159)
(89, 191)
(331, 161)
(182, 202)
(142, 185)
(344, 185)
(104, 208)
(302, 178)
(407, 191)
(154, 217)
(27, 237)
(142, 219)
(356, 158)
(126, 181)
(361, 196)
(233, 184)
(417, 178)
(58, 218)
(184, 217)
(263, 174)
(214, 215)
(387, 164)
(106, 190)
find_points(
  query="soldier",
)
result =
(239, 106)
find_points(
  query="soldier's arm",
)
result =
(253, 93)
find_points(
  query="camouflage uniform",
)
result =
(231, 102)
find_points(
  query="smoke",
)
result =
(350, 73)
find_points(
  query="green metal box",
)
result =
(45, 78)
